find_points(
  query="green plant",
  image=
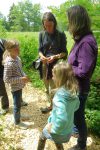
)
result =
(93, 121)
(93, 102)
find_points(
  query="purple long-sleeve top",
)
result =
(83, 57)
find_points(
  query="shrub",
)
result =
(93, 101)
(93, 121)
(97, 36)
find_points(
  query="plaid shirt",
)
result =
(13, 73)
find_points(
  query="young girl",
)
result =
(14, 76)
(65, 103)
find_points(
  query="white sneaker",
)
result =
(22, 125)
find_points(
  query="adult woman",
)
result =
(82, 57)
(52, 47)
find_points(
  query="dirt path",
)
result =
(18, 139)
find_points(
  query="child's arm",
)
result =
(61, 118)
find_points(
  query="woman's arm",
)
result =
(86, 61)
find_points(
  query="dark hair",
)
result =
(79, 21)
(48, 16)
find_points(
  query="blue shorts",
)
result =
(56, 138)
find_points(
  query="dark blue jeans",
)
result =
(3, 95)
(17, 96)
(79, 121)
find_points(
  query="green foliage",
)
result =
(93, 121)
(25, 17)
(91, 6)
(2, 27)
(29, 49)
(70, 41)
(35, 78)
(93, 102)
(96, 73)
(97, 36)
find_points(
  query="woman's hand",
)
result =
(51, 59)
(48, 127)
(44, 59)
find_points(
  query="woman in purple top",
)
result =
(82, 57)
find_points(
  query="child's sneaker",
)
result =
(22, 125)
(4, 111)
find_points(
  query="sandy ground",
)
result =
(18, 139)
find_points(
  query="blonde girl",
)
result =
(65, 103)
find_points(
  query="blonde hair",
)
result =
(65, 77)
(9, 44)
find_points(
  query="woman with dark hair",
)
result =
(52, 47)
(82, 57)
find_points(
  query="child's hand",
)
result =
(25, 79)
(48, 127)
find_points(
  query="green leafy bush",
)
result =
(97, 36)
(93, 121)
(93, 102)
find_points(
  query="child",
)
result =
(14, 76)
(65, 103)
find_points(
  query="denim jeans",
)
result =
(3, 95)
(17, 96)
(79, 121)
